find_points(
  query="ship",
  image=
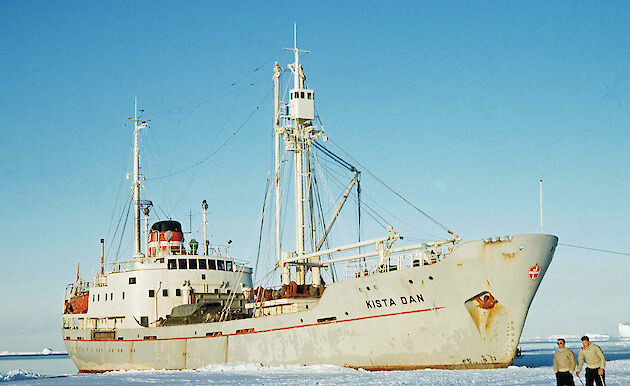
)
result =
(442, 304)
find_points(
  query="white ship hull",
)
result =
(421, 317)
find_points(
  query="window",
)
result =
(172, 264)
(144, 321)
(151, 293)
(123, 296)
(221, 265)
(93, 297)
(105, 297)
(203, 264)
(290, 95)
(192, 263)
(308, 95)
(228, 266)
(178, 292)
(302, 96)
(165, 293)
(111, 296)
(98, 297)
(212, 264)
(132, 280)
(203, 276)
(182, 263)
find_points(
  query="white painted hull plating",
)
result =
(437, 330)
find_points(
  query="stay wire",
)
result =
(207, 98)
(220, 146)
(119, 222)
(122, 233)
(262, 220)
(595, 249)
(393, 191)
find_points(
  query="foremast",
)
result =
(137, 204)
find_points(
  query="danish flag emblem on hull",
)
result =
(534, 271)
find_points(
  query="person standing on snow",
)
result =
(595, 362)
(564, 364)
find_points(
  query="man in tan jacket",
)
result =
(595, 362)
(564, 364)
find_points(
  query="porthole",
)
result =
(410, 281)
(430, 277)
(368, 288)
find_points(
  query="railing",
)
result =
(402, 258)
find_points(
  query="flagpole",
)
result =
(541, 208)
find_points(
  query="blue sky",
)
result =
(462, 107)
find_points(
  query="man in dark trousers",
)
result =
(595, 363)
(564, 364)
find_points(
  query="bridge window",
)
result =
(144, 321)
(151, 293)
(178, 292)
(221, 265)
(182, 263)
(132, 280)
(192, 263)
(172, 264)
(212, 264)
(228, 265)
(203, 264)
(302, 95)
(165, 293)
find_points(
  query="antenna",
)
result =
(541, 208)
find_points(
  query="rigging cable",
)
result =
(122, 233)
(202, 100)
(119, 221)
(335, 157)
(220, 146)
(595, 249)
(393, 191)
(262, 220)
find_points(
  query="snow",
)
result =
(533, 369)
(17, 375)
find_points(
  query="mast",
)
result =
(136, 183)
(297, 137)
(286, 271)
(298, 130)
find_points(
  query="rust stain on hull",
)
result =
(461, 366)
